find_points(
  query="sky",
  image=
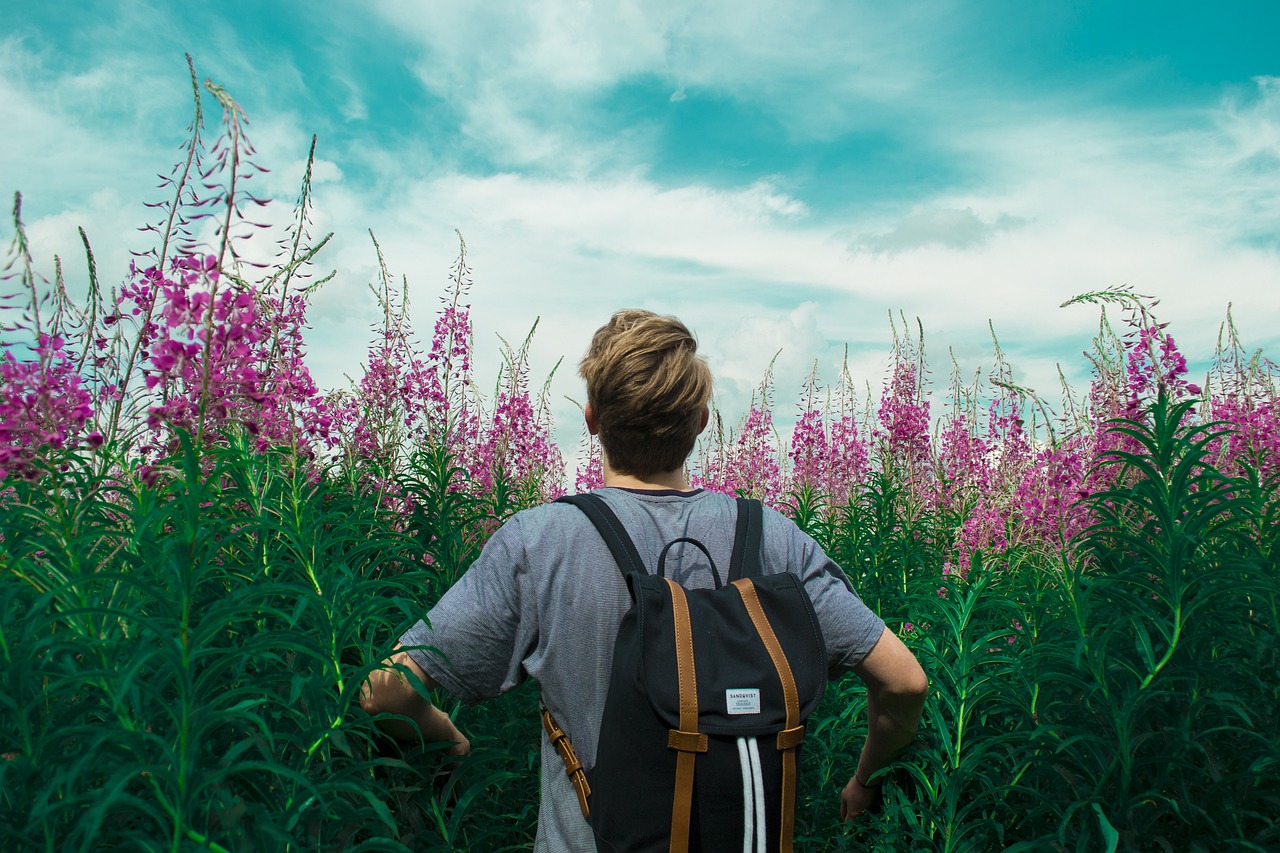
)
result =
(792, 179)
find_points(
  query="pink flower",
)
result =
(44, 405)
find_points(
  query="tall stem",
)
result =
(166, 237)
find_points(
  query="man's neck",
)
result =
(673, 480)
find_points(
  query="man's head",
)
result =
(648, 391)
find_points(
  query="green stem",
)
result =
(198, 838)
(1173, 645)
(192, 147)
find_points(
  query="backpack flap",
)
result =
(739, 690)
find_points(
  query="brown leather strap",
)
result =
(790, 737)
(687, 735)
(572, 766)
(687, 741)
(682, 806)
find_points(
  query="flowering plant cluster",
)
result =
(997, 474)
(748, 461)
(44, 405)
(1246, 398)
(189, 342)
(399, 400)
(219, 356)
(406, 401)
(1254, 438)
(513, 443)
(590, 471)
(902, 434)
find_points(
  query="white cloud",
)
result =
(354, 109)
(524, 75)
(953, 228)
(1252, 121)
(69, 132)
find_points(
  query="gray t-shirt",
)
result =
(545, 599)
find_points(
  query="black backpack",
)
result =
(699, 745)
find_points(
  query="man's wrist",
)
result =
(862, 784)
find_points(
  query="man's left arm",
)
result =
(389, 690)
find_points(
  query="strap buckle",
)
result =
(572, 766)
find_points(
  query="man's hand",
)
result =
(443, 729)
(857, 799)
(388, 691)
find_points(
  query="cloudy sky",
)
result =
(781, 175)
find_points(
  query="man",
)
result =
(545, 598)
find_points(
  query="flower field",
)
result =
(203, 554)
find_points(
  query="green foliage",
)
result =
(183, 658)
(1124, 697)
(889, 545)
(183, 646)
(1158, 717)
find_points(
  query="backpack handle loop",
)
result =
(662, 558)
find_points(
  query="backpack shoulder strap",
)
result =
(611, 530)
(745, 562)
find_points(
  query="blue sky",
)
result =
(782, 175)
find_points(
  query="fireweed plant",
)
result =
(203, 555)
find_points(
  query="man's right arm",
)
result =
(896, 687)
(388, 690)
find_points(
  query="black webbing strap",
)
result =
(611, 530)
(745, 562)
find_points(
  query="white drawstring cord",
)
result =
(758, 779)
(748, 797)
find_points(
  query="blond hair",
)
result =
(648, 388)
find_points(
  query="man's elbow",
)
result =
(901, 698)
(909, 687)
(915, 685)
(907, 698)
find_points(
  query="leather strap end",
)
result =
(572, 766)
(791, 738)
(686, 741)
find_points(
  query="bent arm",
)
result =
(389, 691)
(896, 687)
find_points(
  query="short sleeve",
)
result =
(849, 628)
(476, 638)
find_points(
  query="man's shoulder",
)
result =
(776, 523)
(534, 521)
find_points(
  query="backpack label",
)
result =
(743, 700)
